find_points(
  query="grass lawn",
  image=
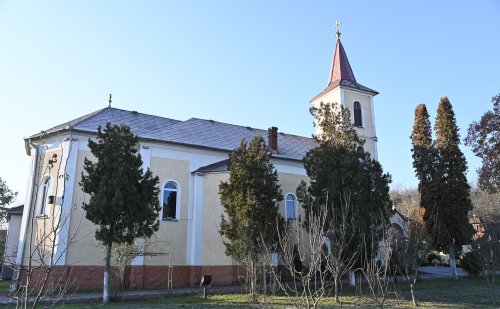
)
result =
(4, 287)
(463, 293)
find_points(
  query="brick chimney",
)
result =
(273, 139)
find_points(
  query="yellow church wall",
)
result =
(42, 239)
(172, 234)
(330, 97)
(85, 249)
(212, 245)
(367, 132)
(289, 183)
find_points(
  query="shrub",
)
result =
(431, 256)
(472, 263)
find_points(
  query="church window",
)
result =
(44, 198)
(170, 202)
(358, 120)
(360, 151)
(290, 206)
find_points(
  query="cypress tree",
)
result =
(252, 219)
(339, 166)
(423, 154)
(124, 201)
(447, 218)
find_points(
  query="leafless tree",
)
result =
(304, 259)
(486, 205)
(406, 201)
(339, 238)
(409, 252)
(123, 254)
(376, 267)
(42, 277)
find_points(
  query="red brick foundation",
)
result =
(91, 277)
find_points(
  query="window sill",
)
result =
(170, 219)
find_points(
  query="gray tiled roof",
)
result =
(18, 210)
(217, 167)
(139, 123)
(192, 132)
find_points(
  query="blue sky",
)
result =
(253, 63)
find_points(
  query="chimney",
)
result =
(273, 139)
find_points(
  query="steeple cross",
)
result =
(337, 28)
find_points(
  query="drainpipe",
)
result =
(20, 249)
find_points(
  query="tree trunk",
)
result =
(453, 262)
(352, 278)
(412, 290)
(107, 268)
(336, 282)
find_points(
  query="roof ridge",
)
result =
(77, 120)
(246, 127)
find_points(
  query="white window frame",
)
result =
(295, 208)
(177, 201)
(354, 115)
(42, 198)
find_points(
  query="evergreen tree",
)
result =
(484, 138)
(124, 201)
(6, 197)
(339, 170)
(424, 156)
(249, 198)
(447, 217)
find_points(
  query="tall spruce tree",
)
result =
(338, 168)
(124, 201)
(252, 219)
(447, 218)
(424, 157)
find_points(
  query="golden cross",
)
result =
(337, 28)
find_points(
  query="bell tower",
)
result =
(343, 89)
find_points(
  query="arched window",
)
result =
(290, 206)
(44, 197)
(358, 120)
(360, 151)
(170, 201)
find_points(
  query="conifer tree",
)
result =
(124, 201)
(447, 218)
(339, 167)
(6, 197)
(423, 154)
(252, 220)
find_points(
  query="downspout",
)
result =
(20, 253)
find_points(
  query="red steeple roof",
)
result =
(341, 73)
(341, 69)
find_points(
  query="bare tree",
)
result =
(486, 205)
(376, 269)
(123, 254)
(406, 201)
(306, 286)
(339, 238)
(43, 277)
(409, 252)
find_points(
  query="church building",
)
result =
(190, 158)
